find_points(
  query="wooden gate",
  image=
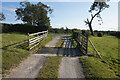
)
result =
(82, 41)
(35, 38)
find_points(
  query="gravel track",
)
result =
(70, 68)
(53, 42)
(28, 68)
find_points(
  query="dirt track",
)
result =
(28, 68)
(70, 66)
(53, 42)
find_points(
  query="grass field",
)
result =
(13, 51)
(50, 68)
(60, 43)
(12, 54)
(107, 67)
(107, 46)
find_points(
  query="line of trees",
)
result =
(27, 28)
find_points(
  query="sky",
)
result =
(69, 14)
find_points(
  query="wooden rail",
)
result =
(35, 38)
(83, 43)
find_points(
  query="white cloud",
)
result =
(8, 14)
(48, 5)
(9, 9)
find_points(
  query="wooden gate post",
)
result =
(28, 41)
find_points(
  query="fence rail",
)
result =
(35, 38)
(82, 42)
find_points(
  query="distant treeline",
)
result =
(23, 28)
(61, 30)
(113, 33)
(26, 28)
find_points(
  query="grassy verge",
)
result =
(12, 54)
(108, 66)
(15, 50)
(94, 68)
(107, 46)
(46, 40)
(50, 68)
(60, 43)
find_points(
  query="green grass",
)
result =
(60, 43)
(13, 54)
(46, 40)
(50, 68)
(42, 44)
(107, 46)
(11, 38)
(94, 68)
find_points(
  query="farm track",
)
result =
(28, 68)
(53, 42)
(70, 66)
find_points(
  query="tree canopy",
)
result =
(34, 14)
(97, 7)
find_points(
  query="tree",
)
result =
(66, 30)
(34, 14)
(2, 17)
(62, 30)
(98, 7)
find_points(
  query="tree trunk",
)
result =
(90, 26)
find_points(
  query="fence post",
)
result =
(28, 42)
(35, 39)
